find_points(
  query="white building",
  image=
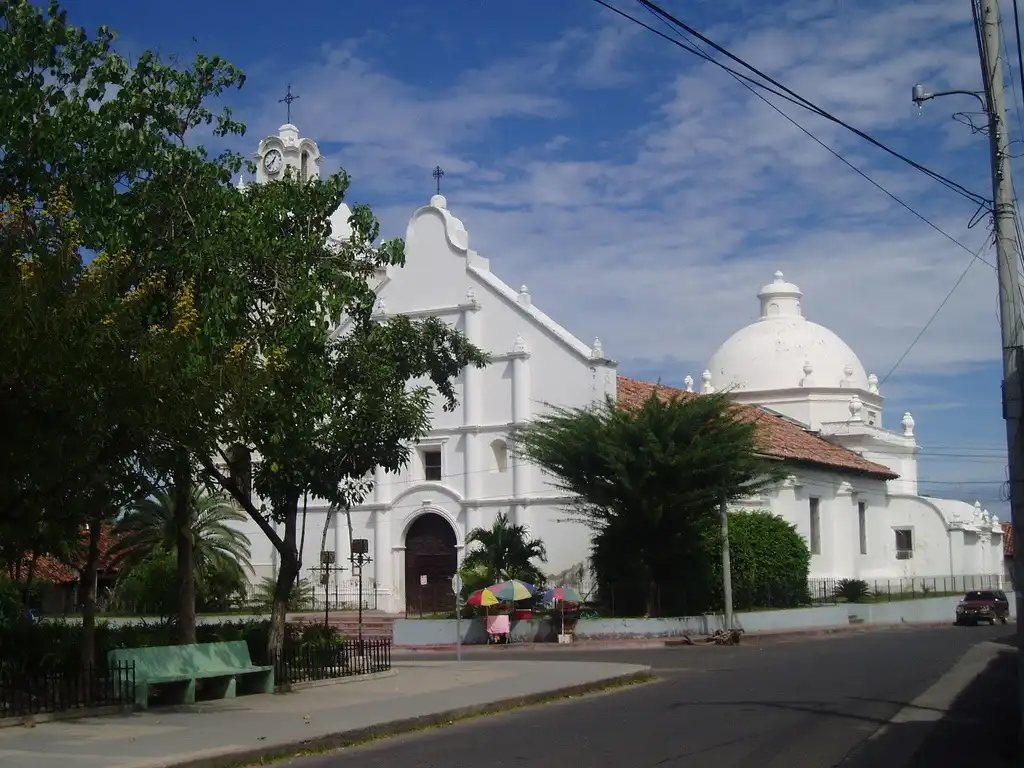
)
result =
(852, 491)
(858, 524)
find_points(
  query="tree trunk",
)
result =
(185, 547)
(87, 591)
(286, 576)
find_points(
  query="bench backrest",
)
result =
(167, 660)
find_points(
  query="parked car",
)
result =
(982, 605)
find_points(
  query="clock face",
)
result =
(273, 161)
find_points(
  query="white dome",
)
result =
(783, 350)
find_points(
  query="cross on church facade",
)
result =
(438, 174)
(287, 101)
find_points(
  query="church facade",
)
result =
(851, 493)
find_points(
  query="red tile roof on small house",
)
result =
(778, 437)
(1007, 539)
(53, 571)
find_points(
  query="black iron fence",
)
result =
(680, 599)
(348, 658)
(429, 601)
(58, 690)
(834, 591)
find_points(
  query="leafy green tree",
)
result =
(648, 481)
(324, 394)
(218, 546)
(114, 138)
(502, 552)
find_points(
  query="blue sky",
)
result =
(645, 196)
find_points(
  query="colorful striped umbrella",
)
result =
(482, 597)
(512, 590)
(562, 595)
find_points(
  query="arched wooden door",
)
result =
(431, 560)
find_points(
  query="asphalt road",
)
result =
(806, 703)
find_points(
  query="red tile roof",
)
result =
(778, 437)
(54, 571)
(1007, 539)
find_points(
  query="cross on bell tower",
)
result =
(287, 101)
(438, 174)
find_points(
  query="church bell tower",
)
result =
(287, 152)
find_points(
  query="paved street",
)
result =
(798, 703)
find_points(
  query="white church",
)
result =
(852, 488)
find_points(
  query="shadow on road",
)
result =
(979, 729)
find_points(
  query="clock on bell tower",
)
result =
(287, 153)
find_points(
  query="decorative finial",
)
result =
(597, 351)
(855, 408)
(240, 186)
(873, 384)
(381, 307)
(808, 369)
(779, 277)
(289, 97)
(688, 383)
(995, 521)
(471, 296)
(705, 387)
(977, 508)
(908, 425)
(438, 174)
(519, 346)
(524, 296)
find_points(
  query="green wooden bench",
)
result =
(227, 666)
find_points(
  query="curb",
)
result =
(342, 739)
(638, 644)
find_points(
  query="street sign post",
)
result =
(457, 589)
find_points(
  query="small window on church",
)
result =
(305, 165)
(815, 509)
(432, 469)
(500, 450)
(904, 544)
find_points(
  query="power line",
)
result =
(978, 199)
(748, 82)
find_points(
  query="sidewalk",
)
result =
(215, 734)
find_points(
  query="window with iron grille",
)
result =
(862, 526)
(432, 465)
(815, 542)
(904, 543)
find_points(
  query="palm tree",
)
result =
(219, 548)
(504, 551)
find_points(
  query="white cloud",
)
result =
(664, 229)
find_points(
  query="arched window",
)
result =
(305, 165)
(500, 450)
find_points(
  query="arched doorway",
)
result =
(431, 559)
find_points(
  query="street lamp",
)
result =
(919, 96)
(359, 558)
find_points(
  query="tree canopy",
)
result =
(648, 482)
(155, 316)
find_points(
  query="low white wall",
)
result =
(422, 632)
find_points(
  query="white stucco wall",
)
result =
(535, 361)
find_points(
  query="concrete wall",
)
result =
(420, 633)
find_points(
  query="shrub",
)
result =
(852, 590)
(770, 561)
(56, 645)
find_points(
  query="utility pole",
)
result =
(986, 14)
(723, 511)
(1008, 255)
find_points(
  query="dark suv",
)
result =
(983, 605)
